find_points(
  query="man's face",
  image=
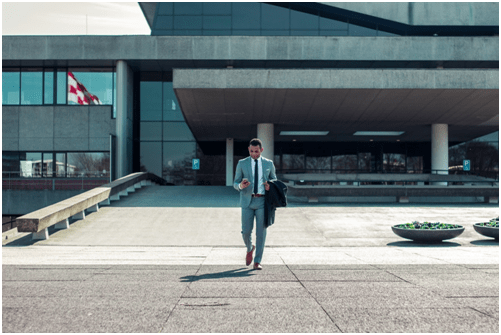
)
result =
(255, 151)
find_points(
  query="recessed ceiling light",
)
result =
(378, 133)
(304, 133)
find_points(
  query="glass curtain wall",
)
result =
(249, 18)
(59, 86)
(65, 165)
(10, 164)
(11, 86)
(32, 87)
(96, 86)
(167, 145)
(48, 83)
(350, 157)
(483, 154)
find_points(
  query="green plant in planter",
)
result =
(493, 223)
(427, 225)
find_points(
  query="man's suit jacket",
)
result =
(244, 170)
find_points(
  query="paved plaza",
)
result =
(171, 259)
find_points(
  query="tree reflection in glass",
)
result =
(88, 164)
(177, 162)
(344, 163)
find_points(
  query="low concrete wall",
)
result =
(412, 194)
(389, 200)
(38, 221)
(392, 191)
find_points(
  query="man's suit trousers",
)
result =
(255, 210)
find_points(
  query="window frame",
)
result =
(56, 70)
(54, 153)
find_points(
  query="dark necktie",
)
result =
(256, 177)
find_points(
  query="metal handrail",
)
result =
(25, 181)
(358, 182)
(94, 174)
(384, 172)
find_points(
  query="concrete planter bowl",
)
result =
(429, 235)
(489, 229)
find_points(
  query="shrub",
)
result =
(427, 225)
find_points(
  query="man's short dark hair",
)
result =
(256, 142)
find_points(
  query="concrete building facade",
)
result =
(329, 87)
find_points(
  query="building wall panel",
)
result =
(36, 121)
(57, 128)
(10, 121)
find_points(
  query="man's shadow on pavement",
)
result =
(218, 275)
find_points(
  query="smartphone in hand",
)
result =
(245, 182)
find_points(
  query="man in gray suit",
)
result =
(251, 180)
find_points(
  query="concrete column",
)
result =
(105, 202)
(79, 216)
(121, 124)
(265, 134)
(64, 224)
(229, 162)
(41, 235)
(440, 150)
(93, 208)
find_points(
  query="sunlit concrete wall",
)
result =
(190, 48)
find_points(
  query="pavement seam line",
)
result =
(476, 310)
(182, 294)
(385, 270)
(416, 253)
(322, 307)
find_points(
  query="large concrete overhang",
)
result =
(220, 104)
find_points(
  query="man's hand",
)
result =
(266, 186)
(244, 184)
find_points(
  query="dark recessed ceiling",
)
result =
(217, 114)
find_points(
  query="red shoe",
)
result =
(248, 259)
(257, 266)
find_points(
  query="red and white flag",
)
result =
(79, 94)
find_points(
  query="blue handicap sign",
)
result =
(466, 165)
(195, 164)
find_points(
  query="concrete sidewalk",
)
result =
(150, 263)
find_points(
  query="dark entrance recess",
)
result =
(320, 157)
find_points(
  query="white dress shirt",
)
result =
(260, 186)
